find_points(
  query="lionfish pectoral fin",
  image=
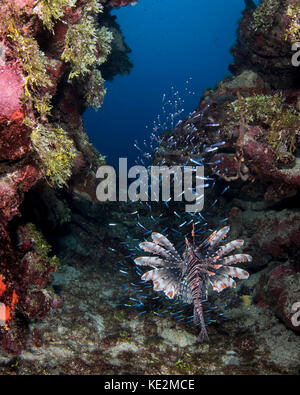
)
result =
(229, 247)
(237, 258)
(149, 261)
(154, 249)
(164, 280)
(235, 272)
(221, 282)
(164, 242)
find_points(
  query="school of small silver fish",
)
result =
(189, 276)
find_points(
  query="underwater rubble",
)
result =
(61, 250)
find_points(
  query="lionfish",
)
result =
(189, 276)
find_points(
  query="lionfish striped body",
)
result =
(189, 276)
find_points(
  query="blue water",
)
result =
(171, 41)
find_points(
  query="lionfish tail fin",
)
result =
(203, 336)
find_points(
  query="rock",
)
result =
(13, 80)
(280, 290)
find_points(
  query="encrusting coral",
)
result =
(50, 11)
(265, 38)
(281, 120)
(41, 246)
(56, 153)
(264, 15)
(86, 46)
(293, 26)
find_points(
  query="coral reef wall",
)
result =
(256, 114)
(51, 52)
(265, 37)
